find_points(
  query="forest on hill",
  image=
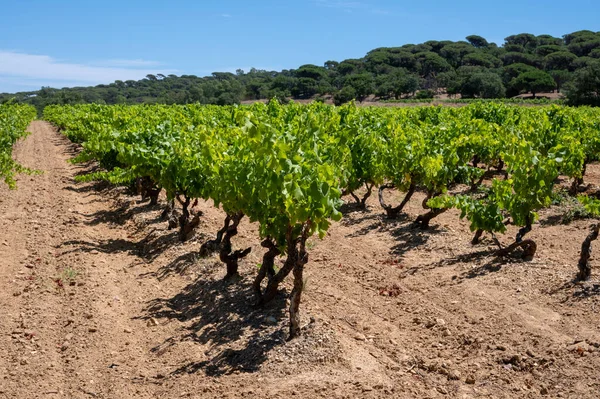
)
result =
(474, 68)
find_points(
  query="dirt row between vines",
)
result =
(98, 299)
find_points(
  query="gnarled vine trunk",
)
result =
(477, 237)
(529, 246)
(211, 246)
(169, 214)
(267, 268)
(148, 189)
(362, 202)
(187, 226)
(226, 254)
(585, 269)
(301, 259)
(393, 212)
(577, 181)
(423, 220)
(296, 258)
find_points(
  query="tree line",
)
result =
(473, 68)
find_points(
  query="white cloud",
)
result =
(226, 15)
(21, 69)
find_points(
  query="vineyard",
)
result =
(287, 167)
(167, 251)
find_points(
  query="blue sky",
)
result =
(63, 43)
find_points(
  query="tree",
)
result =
(432, 64)
(345, 95)
(583, 62)
(455, 52)
(482, 59)
(515, 48)
(483, 85)
(579, 36)
(403, 59)
(534, 82)
(549, 40)
(331, 65)
(559, 60)
(477, 41)
(518, 58)
(350, 66)
(311, 72)
(526, 40)
(595, 53)
(582, 49)
(450, 81)
(560, 76)
(305, 88)
(403, 82)
(363, 85)
(544, 50)
(585, 86)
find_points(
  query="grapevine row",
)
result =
(14, 120)
(287, 167)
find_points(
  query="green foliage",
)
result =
(591, 205)
(483, 85)
(14, 119)
(345, 95)
(424, 94)
(534, 82)
(477, 41)
(585, 86)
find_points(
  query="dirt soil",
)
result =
(98, 299)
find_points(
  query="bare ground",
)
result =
(99, 300)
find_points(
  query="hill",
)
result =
(474, 68)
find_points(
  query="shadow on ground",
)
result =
(220, 314)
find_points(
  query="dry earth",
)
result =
(99, 300)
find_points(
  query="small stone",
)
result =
(152, 322)
(92, 329)
(359, 337)
(446, 332)
(128, 330)
(69, 337)
(440, 322)
(94, 252)
(65, 346)
(544, 391)
(454, 375)
(430, 324)
(470, 379)
(271, 320)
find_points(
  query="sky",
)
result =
(66, 43)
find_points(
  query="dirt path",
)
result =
(99, 300)
(64, 308)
